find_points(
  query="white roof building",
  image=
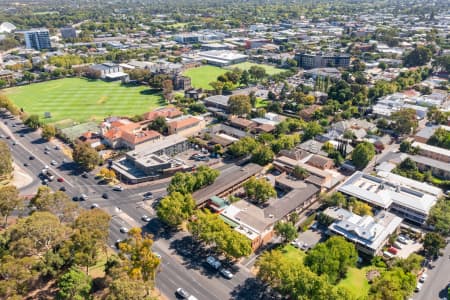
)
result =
(403, 197)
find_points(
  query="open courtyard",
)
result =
(81, 100)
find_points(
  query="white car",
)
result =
(53, 163)
(423, 278)
(118, 188)
(146, 218)
(226, 273)
(123, 229)
(402, 240)
(182, 293)
(157, 255)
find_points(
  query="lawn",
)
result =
(270, 70)
(293, 253)
(83, 100)
(356, 282)
(261, 103)
(202, 76)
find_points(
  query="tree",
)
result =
(17, 276)
(74, 285)
(107, 174)
(167, 86)
(333, 258)
(286, 230)
(300, 173)
(6, 166)
(48, 131)
(420, 56)
(160, 125)
(440, 217)
(259, 190)
(432, 244)
(86, 156)
(142, 263)
(394, 284)
(33, 122)
(262, 155)
(405, 121)
(440, 138)
(126, 288)
(335, 199)
(90, 234)
(9, 201)
(58, 203)
(242, 147)
(442, 63)
(257, 72)
(239, 105)
(405, 146)
(37, 234)
(175, 208)
(245, 78)
(363, 154)
(359, 207)
(212, 230)
(310, 130)
(412, 264)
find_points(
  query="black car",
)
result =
(25, 164)
(75, 198)
(63, 188)
(31, 157)
(84, 175)
(105, 196)
(22, 135)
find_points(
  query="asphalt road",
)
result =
(182, 264)
(435, 287)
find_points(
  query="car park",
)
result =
(182, 293)
(146, 218)
(123, 229)
(94, 205)
(226, 273)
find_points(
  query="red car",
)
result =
(60, 179)
(393, 250)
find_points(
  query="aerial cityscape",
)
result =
(224, 149)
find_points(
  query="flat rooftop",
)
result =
(145, 150)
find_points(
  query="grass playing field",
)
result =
(270, 70)
(202, 76)
(83, 100)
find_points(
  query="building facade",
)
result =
(38, 39)
(319, 60)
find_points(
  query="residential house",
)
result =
(433, 152)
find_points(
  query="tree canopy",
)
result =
(363, 154)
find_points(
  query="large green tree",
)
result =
(432, 243)
(420, 56)
(259, 190)
(9, 201)
(33, 121)
(363, 154)
(6, 166)
(286, 230)
(239, 105)
(74, 285)
(440, 216)
(86, 156)
(175, 208)
(332, 258)
(57, 203)
(395, 284)
(405, 121)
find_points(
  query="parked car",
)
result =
(226, 273)
(53, 162)
(94, 205)
(31, 157)
(84, 175)
(423, 277)
(402, 240)
(62, 189)
(26, 164)
(398, 245)
(60, 179)
(213, 262)
(393, 250)
(418, 287)
(123, 229)
(146, 218)
(182, 293)
(148, 196)
(105, 196)
(84, 197)
(117, 188)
